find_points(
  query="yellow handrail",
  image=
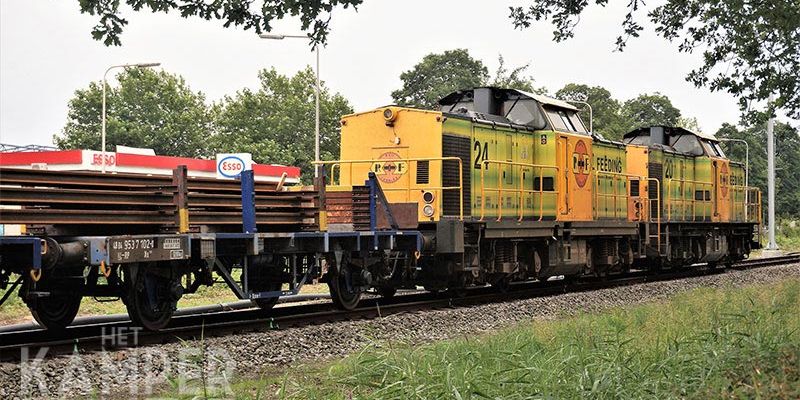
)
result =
(616, 178)
(748, 207)
(460, 186)
(521, 191)
(658, 209)
(682, 200)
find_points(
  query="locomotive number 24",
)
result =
(481, 153)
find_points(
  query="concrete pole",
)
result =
(771, 245)
(316, 130)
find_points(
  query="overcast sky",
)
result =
(46, 53)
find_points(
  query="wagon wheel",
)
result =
(386, 291)
(56, 311)
(150, 299)
(341, 284)
(264, 278)
(268, 303)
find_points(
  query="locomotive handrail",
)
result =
(441, 188)
(682, 200)
(658, 209)
(521, 191)
(747, 207)
(616, 178)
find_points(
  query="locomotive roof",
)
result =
(670, 130)
(505, 94)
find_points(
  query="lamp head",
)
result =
(272, 36)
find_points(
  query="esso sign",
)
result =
(110, 159)
(230, 166)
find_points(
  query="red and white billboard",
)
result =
(123, 162)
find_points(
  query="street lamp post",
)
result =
(746, 171)
(103, 123)
(316, 92)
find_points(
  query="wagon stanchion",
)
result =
(248, 202)
(181, 196)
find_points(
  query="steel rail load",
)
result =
(497, 186)
(264, 243)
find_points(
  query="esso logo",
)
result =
(110, 159)
(230, 167)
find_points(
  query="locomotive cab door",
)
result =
(575, 186)
(721, 176)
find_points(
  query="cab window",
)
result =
(565, 120)
(717, 149)
(558, 123)
(524, 112)
(687, 144)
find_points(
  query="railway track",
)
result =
(119, 333)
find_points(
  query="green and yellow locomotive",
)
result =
(508, 185)
(498, 185)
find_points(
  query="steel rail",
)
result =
(106, 335)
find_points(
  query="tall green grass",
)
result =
(708, 343)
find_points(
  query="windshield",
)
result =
(687, 144)
(565, 120)
(524, 112)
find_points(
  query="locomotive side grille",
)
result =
(423, 172)
(654, 170)
(634, 188)
(455, 146)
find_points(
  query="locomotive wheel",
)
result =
(343, 293)
(502, 283)
(55, 312)
(149, 301)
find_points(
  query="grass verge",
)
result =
(707, 343)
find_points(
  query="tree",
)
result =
(607, 120)
(750, 49)
(438, 75)
(787, 182)
(649, 110)
(689, 123)
(313, 14)
(152, 109)
(276, 122)
(514, 78)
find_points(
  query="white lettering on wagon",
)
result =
(172, 244)
(134, 244)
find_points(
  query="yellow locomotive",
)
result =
(508, 185)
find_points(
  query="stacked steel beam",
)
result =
(126, 203)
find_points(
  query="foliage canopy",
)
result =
(148, 108)
(276, 122)
(314, 15)
(750, 49)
